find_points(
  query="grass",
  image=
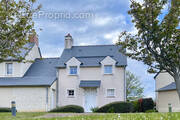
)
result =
(20, 116)
(130, 116)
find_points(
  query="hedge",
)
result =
(69, 108)
(5, 109)
(146, 104)
(116, 107)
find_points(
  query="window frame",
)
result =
(70, 96)
(108, 73)
(70, 72)
(7, 69)
(110, 96)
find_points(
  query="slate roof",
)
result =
(23, 52)
(92, 55)
(90, 83)
(169, 87)
(41, 73)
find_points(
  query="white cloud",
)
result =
(105, 20)
(113, 36)
(101, 21)
(86, 40)
(50, 50)
(120, 18)
(139, 1)
(133, 31)
(82, 43)
(82, 29)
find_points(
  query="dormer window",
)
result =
(107, 69)
(73, 70)
(9, 68)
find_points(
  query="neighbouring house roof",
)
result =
(23, 52)
(169, 87)
(91, 56)
(89, 83)
(41, 73)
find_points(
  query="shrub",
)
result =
(5, 109)
(146, 104)
(94, 109)
(111, 110)
(116, 107)
(135, 105)
(69, 108)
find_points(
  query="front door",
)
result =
(90, 99)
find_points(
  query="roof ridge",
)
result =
(50, 58)
(91, 56)
(93, 45)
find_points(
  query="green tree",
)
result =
(157, 42)
(134, 90)
(16, 25)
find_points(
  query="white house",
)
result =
(88, 76)
(91, 76)
(31, 85)
(166, 93)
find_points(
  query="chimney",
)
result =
(34, 39)
(68, 41)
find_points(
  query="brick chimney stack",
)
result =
(68, 41)
(34, 39)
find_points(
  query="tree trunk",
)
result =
(177, 80)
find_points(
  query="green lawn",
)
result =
(138, 116)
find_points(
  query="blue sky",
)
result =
(109, 18)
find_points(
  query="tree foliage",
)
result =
(134, 90)
(157, 42)
(15, 25)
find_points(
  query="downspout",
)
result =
(47, 97)
(57, 87)
(125, 97)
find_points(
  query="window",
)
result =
(9, 68)
(73, 70)
(108, 69)
(70, 93)
(110, 92)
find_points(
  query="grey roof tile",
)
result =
(169, 87)
(41, 73)
(93, 55)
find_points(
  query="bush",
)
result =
(111, 110)
(94, 109)
(5, 109)
(146, 104)
(69, 108)
(116, 107)
(135, 105)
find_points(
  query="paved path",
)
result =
(55, 115)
